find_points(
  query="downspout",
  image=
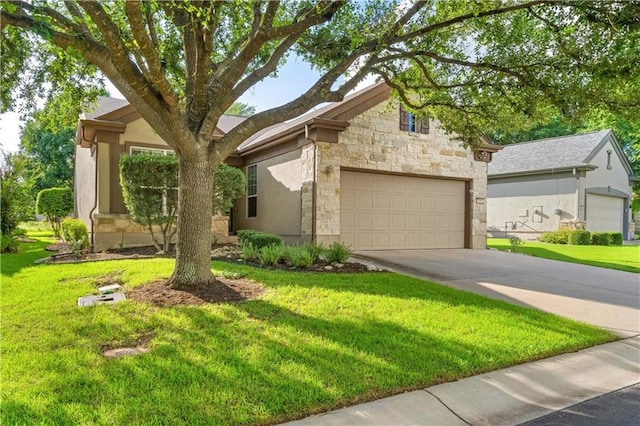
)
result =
(577, 215)
(95, 191)
(313, 183)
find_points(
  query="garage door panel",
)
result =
(604, 213)
(381, 211)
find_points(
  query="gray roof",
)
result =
(105, 105)
(545, 154)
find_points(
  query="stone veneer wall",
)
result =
(112, 230)
(373, 141)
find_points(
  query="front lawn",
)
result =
(623, 258)
(314, 342)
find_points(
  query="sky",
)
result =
(293, 79)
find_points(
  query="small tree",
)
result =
(149, 185)
(228, 184)
(55, 203)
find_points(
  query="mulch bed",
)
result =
(223, 290)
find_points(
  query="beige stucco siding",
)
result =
(103, 178)
(140, 131)
(279, 187)
(529, 203)
(374, 142)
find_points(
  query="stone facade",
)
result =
(118, 230)
(373, 142)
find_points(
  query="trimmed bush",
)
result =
(55, 203)
(600, 238)
(555, 237)
(258, 239)
(337, 253)
(616, 238)
(579, 237)
(74, 230)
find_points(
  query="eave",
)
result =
(586, 167)
(88, 128)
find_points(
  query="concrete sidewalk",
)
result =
(504, 397)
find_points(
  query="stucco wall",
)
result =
(279, 187)
(617, 177)
(373, 141)
(140, 131)
(529, 204)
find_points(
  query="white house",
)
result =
(579, 181)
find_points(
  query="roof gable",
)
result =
(562, 152)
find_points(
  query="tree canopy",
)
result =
(182, 64)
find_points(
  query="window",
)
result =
(252, 191)
(412, 124)
(139, 150)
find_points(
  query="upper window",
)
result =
(252, 191)
(410, 123)
(140, 150)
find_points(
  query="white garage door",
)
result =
(380, 211)
(604, 214)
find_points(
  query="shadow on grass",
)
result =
(262, 362)
(27, 253)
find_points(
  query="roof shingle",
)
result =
(546, 154)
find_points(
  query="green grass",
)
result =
(623, 258)
(312, 343)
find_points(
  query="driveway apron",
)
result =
(602, 297)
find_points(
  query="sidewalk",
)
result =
(503, 397)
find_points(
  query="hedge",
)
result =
(616, 238)
(74, 230)
(258, 239)
(555, 237)
(600, 239)
(579, 237)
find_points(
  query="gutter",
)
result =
(552, 170)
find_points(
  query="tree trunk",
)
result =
(193, 252)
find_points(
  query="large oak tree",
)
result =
(181, 64)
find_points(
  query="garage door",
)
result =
(604, 213)
(380, 211)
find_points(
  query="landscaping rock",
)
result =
(328, 268)
(339, 265)
(372, 268)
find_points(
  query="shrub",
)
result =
(315, 251)
(515, 242)
(244, 235)
(74, 230)
(55, 203)
(579, 237)
(555, 237)
(616, 238)
(301, 258)
(337, 253)
(270, 255)
(8, 243)
(287, 253)
(600, 239)
(248, 252)
(259, 239)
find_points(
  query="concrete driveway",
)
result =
(603, 297)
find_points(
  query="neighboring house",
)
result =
(360, 171)
(580, 181)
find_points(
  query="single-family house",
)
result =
(362, 171)
(579, 181)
